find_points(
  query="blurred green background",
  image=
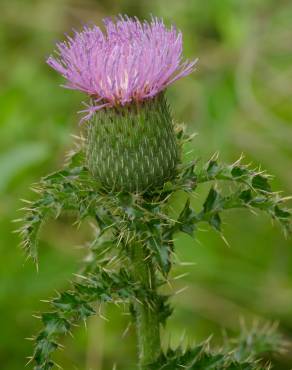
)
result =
(238, 101)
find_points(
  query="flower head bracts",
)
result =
(131, 61)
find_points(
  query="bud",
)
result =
(133, 148)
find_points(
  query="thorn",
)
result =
(149, 278)
(26, 201)
(30, 359)
(147, 257)
(182, 338)
(214, 157)
(284, 199)
(18, 231)
(181, 276)
(238, 161)
(76, 136)
(181, 290)
(126, 330)
(103, 317)
(100, 315)
(17, 220)
(187, 263)
(225, 240)
(138, 300)
(81, 276)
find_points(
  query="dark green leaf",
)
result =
(187, 219)
(239, 171)
(215, 221)
(213, 168)
(212, 201)
(261, 182)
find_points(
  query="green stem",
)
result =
(146, 313)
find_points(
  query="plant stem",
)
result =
(146, 313)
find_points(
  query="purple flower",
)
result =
(131, 61)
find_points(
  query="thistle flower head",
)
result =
(131, 61)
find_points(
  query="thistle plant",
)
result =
(124, 174)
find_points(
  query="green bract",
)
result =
(133, 147)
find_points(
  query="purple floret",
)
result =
(130, 62)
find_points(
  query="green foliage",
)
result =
(76, 304)
(253, 192)
(201, 358)
(131, 221)
(241, 353)
(255, 342)
(70, 189)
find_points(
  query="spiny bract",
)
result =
(133, 148)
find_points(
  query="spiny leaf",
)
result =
(253, 192)
(236, 172)
(213, 201)
(260, 182)
(75, 305)
(201, 357)
(242, 353)
(187, 219)
(68, 189)
(259, 340)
